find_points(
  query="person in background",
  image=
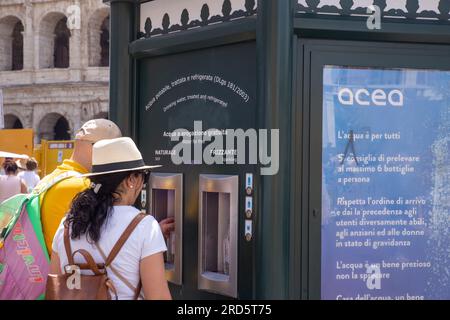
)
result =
(99, 216)
(21, 165)
(2, 170)
(29, 176)
(10, 184)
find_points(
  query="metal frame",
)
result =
(275, 41)
(316, 54)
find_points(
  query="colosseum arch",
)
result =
(98, 35)
(101, 115)
(54, 41)
(11, 43)
(94, 110)
(54, 126)
(13, 122)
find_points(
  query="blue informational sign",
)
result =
(385, 184)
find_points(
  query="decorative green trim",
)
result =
(356, 29)
(200, 38)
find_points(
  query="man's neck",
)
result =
(81, 161)
(82, 154)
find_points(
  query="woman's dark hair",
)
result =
(10, 167)
(90, 210)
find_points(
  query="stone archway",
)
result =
(17, 46)
(101, 115)
(54, 44)
(13, 122)
(61, 52)
(11, 43)
(54, 126)
(62, 129)
(104, 43)
(98, 35)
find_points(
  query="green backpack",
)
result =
(24, 260)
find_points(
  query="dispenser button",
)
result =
(248, 230)
(249, 183)
(248, 207)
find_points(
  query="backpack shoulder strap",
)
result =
(40, 189)
(124, 237)
(137, 290)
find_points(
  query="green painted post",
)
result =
(275, 43)
(121, 65)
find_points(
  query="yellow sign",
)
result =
(52, 154)
(18, 141)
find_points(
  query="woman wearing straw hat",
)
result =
(99, 217)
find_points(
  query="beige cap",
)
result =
(98, 129)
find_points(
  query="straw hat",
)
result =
(116, 155)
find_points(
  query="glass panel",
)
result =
(385, 184)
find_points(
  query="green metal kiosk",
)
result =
(342, 110)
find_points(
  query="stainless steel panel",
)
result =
(218, 231)
(166, 200)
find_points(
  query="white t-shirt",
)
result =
(31, 179)
(147, 239)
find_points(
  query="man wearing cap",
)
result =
(56, 201)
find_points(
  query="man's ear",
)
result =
(132, 180)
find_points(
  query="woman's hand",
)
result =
(167, 226)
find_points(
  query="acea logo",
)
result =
(365, 97)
